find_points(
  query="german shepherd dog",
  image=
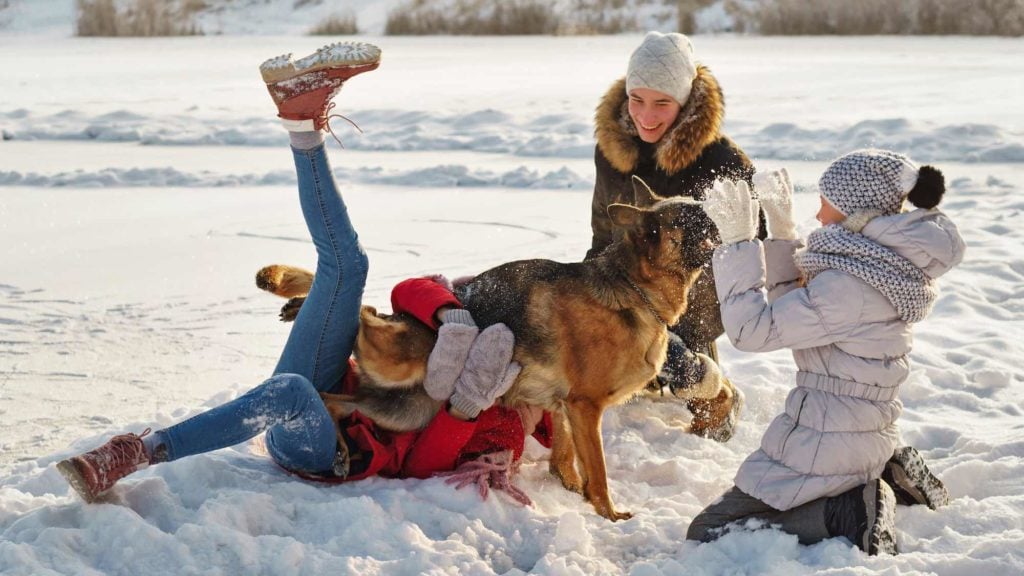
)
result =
(591, 334)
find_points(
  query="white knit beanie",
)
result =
(868, 183)
(663, 62)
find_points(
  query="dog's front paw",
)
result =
(570, 478)
(614, 515)
(291, 309)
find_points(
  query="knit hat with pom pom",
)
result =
(868, 183)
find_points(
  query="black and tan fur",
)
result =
(391, 354)
(590, 334)
(585, 335)
(691, 156)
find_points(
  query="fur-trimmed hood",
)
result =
(698, 125)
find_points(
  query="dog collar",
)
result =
(647, 301)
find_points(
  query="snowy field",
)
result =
(142, 183)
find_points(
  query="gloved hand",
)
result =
(489, 371)
(733, 211)
(776, 195)
(454, 339)
(682, 368)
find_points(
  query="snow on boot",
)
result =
(302, 89)
(866, 515)
(717, 418)
(93, 473)
(912, 481)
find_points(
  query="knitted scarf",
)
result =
(906, 286)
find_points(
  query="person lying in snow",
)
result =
(828, 466)
(300, 433)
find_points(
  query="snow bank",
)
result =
(493, 131)
(434, 177)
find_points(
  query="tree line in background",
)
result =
(513, 17)
(137, 18)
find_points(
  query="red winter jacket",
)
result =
(446, 441)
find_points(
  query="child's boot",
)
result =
(912, 481)
(716, 418)
(93, 473)
(302, 89)
(866, 515)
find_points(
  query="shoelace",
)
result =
(489, 471)
(125, 448)
(327, 122)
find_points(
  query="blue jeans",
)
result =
(300, 432)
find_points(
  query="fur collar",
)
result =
(698, 125)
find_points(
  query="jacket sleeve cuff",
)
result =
(422, 297)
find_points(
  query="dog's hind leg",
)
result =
(563, 453)
(585, 419)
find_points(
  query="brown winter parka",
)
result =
(687, 161)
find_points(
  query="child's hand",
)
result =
(448, 358)
(734, 212)
(489, 371)
(776, 194)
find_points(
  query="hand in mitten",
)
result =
(682, 368)
(489, 371)
(776, 195)
(733, 211)
(711, 379)
(448, 358)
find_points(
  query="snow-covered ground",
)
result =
(142, 183)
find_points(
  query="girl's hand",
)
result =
(776, 194)
(734, 212)
(448, 358)
(489, 371)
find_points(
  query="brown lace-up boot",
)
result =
(716, 418)
(302, 89)
(93, 473)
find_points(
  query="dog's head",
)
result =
(671, 234)
(393, 350)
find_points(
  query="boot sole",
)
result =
(70, 473)
(912, 476)
(880, 504)
(359, 56)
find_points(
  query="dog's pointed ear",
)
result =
(625, 216)
(643, 196)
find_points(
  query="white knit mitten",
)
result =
(776, 195)
(733, 211)
(489, 371)
(448, 358)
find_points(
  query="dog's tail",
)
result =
(283, 280)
